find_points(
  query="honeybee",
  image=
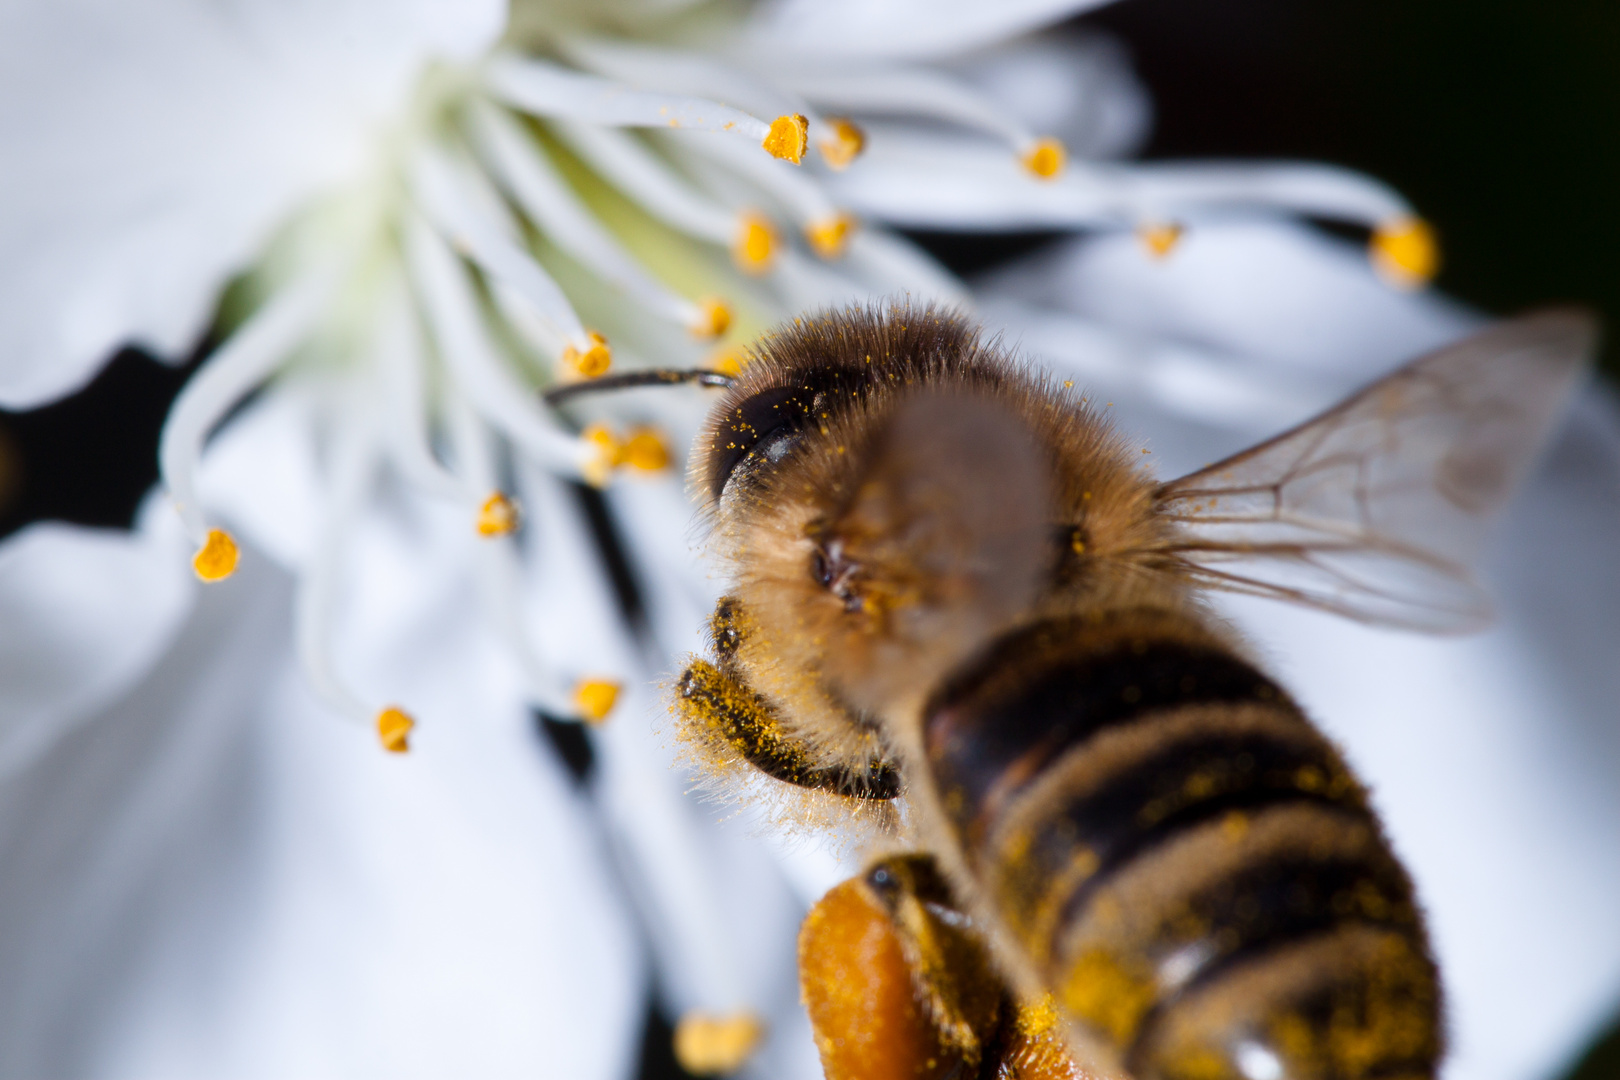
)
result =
(955, 589)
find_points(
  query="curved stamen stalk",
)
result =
(630, 166)
(499, 577)
(353, 464)
(247, 358)
(670, 71)
(469, 214)
(521, 166)
(452, 308)
(545, 89)
(399, 359)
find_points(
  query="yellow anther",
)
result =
(843, 144)
(645, 450)
(1405, 252)
(595, 698)
(715, 318)
(394, 729)
(830, 236)
(787, 137)
(1045, 158)
(716, 1045)
(499, 516)
(591, 362)
(1160, 238)
(729, 361)
(216, 559)
(755, 247)
(606, 452)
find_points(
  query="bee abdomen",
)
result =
(1186, 862)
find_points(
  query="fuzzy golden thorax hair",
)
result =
(890, 492)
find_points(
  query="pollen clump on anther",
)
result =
(755, 246)
(1160, 238)
(595, 698)
(605, 452)
(714, 318)
(216, 559)
(788, 137)
(1045, 158)
(394, 729)
(645, 450)
(842, 144)
(830, 236)
(1405, 252)
(590, 362)
(707, 1045)
(729, 361)
(499, 516)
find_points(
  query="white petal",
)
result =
(84, 613)
(1275, 291)
(913, 28)
(218, 877)
(150, 149)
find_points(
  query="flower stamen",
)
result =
(595, 698)
(1160, 237)
(788, 137)
(708, 1045)
(646, 451)
(1045, 158)
(591, 362)
(1405, 252)
(216, 559)
(754, 248)
(830, 236)
(499, 515)
(714, 318)
(842, 144)
(394, 726)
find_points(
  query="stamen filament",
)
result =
(399, 358)
(245, 359)
(524, 170)
(911, 91)
(545, 89)
(451, 196)
(641, 174)
(452, 311)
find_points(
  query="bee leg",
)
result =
(732, 719)
(900, 986)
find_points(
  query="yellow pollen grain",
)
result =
(1045, 158)
(708, 1045)
(715, 318)
(592, 362)
(755, 247)
(645, 450)
(829, 236)
(499, 516)
(394, 729)
(216, 559)
(843, 145)
(789, 135)
(1405, 252)
(1160, 237)
(595, 698)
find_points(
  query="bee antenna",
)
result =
(647, 377)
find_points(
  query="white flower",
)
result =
(432, 208)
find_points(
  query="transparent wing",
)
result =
(1377, 508)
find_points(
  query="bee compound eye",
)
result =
(760, 425)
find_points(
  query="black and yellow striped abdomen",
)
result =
(1186, 861)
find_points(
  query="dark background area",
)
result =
(1498, 119)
